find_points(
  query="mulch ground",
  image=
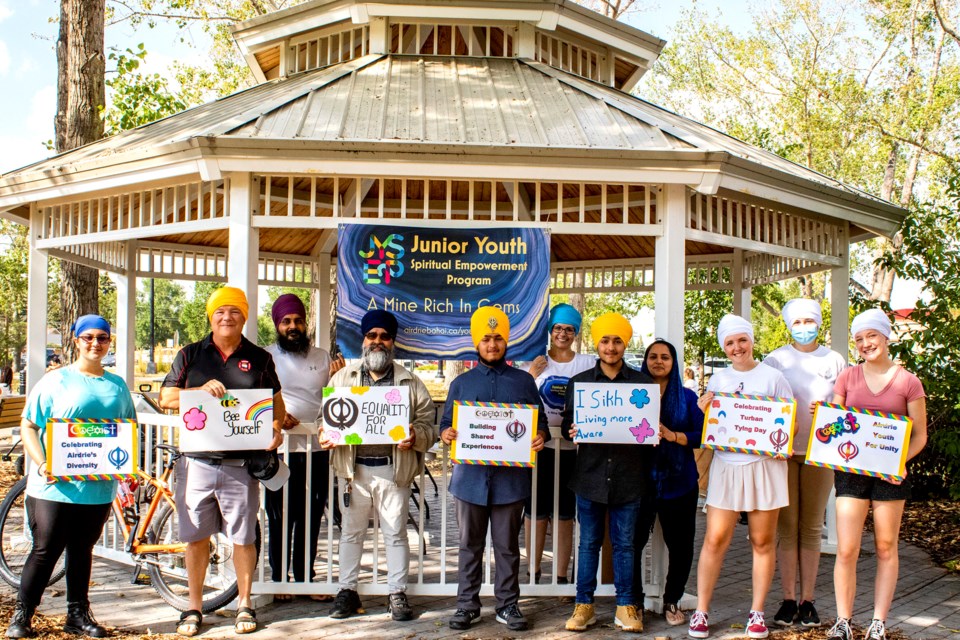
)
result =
(932, 525)
(51, 627)
(821, 634)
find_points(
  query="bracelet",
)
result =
(40, 468)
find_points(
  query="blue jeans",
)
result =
(592, 518)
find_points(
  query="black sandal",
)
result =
(190, 622)
(245, 616)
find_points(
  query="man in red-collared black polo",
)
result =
(215, 492)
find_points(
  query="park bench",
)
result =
(10, 409)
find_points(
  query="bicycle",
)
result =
(151, 538)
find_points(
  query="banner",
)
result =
(616, 413)
(434, 279)
(91, 449)
(493, 433)
(750, 424)
(861, 441)
(242, 420)
(366, 415)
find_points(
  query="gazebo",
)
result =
(471, 113)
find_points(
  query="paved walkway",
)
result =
(927, 606)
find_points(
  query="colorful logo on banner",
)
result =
(78, 430)
(383, 259)
(433, 280)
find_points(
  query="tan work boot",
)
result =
(582, 618)
(629, 619)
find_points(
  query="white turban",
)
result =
(801, 309)
(871, 319)
(732, 325)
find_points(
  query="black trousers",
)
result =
(297, 488)
(678, 519)
(59, 527)
(504, 521)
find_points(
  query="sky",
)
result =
(28, 68)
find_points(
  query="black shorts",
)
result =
(567, 499)
(853, 485)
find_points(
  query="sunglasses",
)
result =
(376, 335)
(88, 339)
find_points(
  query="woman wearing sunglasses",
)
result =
(68, 515)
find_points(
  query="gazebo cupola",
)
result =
(559, 33)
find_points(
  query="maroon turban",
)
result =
(285, 305)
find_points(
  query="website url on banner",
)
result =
(439, 331)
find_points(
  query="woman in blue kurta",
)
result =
(674, 479)
(67, 515)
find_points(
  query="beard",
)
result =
(492, 363)
(293, 342)
(377, 359)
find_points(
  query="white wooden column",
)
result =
(839, 323)
(244, 244)
(322, 319)
(36, 304)
(742, 296)
(669, 266)
(126, 329)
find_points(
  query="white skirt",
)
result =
(758, 486)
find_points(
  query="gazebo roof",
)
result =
(443, 105)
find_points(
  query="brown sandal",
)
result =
(246, 621)
(189, 624)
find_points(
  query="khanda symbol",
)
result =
(516, 430)
(340, 413)
(779, 439)
(848, 451)
(118, 457)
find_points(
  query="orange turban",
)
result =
(610, 324)
(227, 296)
(489, 320)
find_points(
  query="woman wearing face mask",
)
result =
(674, 475)
(883, 385)
(812, 370)
(68, 515)
(741, 482)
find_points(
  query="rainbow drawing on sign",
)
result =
(256, 410)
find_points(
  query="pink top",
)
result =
(901, 390)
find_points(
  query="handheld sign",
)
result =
(242, 420)
(492, 433)
(761, 425)
(366, 415)
(91, 449)
(616, 413)
(861, 441)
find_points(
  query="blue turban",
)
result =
(564, 313)
(89, 321)
(379, 319)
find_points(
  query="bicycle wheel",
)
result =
(15, 538)
(168, 572)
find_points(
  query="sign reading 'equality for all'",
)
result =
(366, 415)
(861, 441)
(616, 413)
(750, 424)
(91, 449)
(434, 279)
(242, 420)
(492, 433)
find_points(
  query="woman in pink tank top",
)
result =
(880, 384)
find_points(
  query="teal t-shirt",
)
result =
(67, 393)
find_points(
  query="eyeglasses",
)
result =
(567, 330)
(376, 335)
(101, 339)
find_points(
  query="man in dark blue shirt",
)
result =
(490, 494)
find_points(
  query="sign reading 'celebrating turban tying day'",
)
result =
(433, 280)
(740, 423)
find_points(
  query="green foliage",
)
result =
(13, 290)
(196, 325)
(107, 297)
(169, 300)
(931, 253)
(137, 98)
(702, 313)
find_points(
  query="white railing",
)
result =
(434, 550)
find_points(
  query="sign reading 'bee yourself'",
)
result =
(242, 420)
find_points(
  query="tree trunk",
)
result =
(452, 369)
(80, 99)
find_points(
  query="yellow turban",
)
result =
(489, 320)
(610, 324)
(227, 296)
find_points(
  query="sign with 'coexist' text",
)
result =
(91, 449)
